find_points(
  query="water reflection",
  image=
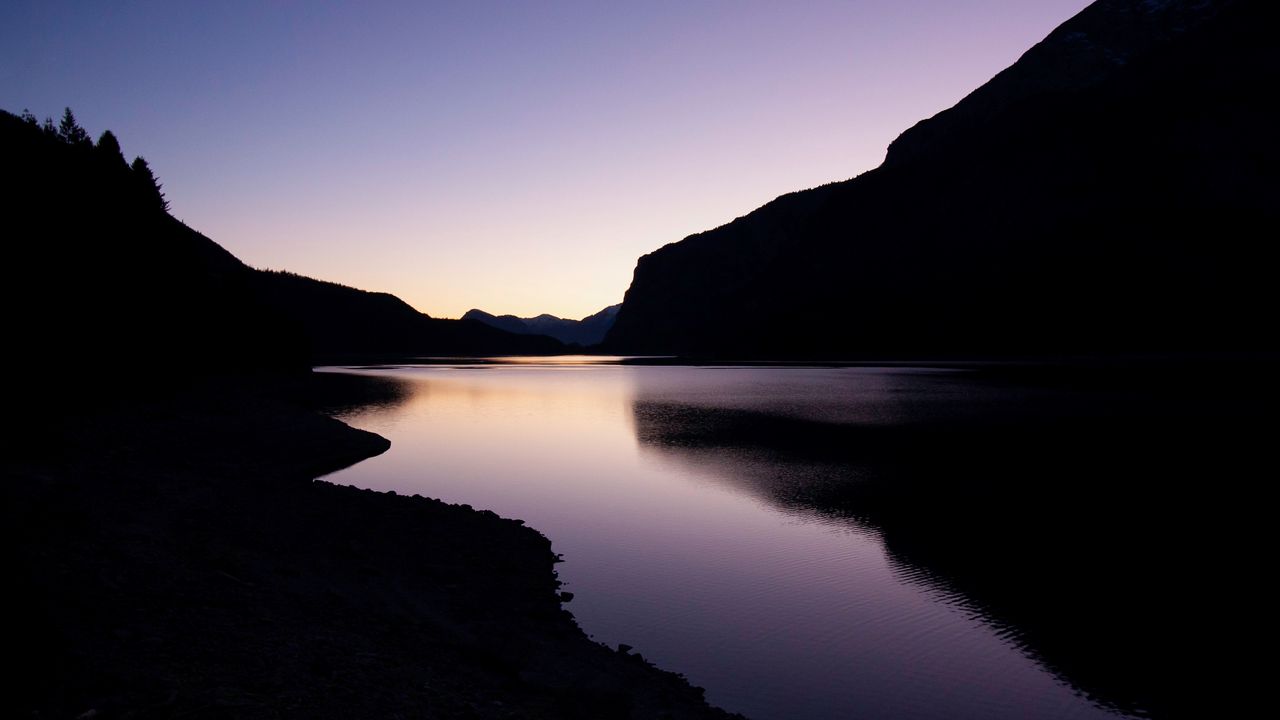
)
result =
(811, 543)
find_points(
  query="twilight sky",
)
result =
(512, 156)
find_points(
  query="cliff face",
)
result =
(1111, 191)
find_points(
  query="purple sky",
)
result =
(516, 157)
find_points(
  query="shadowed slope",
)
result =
(101, 272)
(1112, 191)
(340, 321)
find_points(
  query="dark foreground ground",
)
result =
(175, 558)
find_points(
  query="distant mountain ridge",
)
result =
(344, 322)
(586, 332)
(1109, 192)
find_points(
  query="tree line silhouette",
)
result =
(107, 273)
(104, 274)
(69, 131)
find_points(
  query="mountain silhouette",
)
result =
(1112, 191)
(341, 322)
(586, 332)
(102, 275)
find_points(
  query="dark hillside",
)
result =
(1113, 191)
(343, 322)
(100, 275)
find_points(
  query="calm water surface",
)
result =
(716, 558)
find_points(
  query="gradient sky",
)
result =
(517, 157)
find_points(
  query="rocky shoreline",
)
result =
(176, 558)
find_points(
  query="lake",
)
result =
(834, 542)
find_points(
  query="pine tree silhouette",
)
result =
(109, 149)
(71, 132)
(147, 183)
